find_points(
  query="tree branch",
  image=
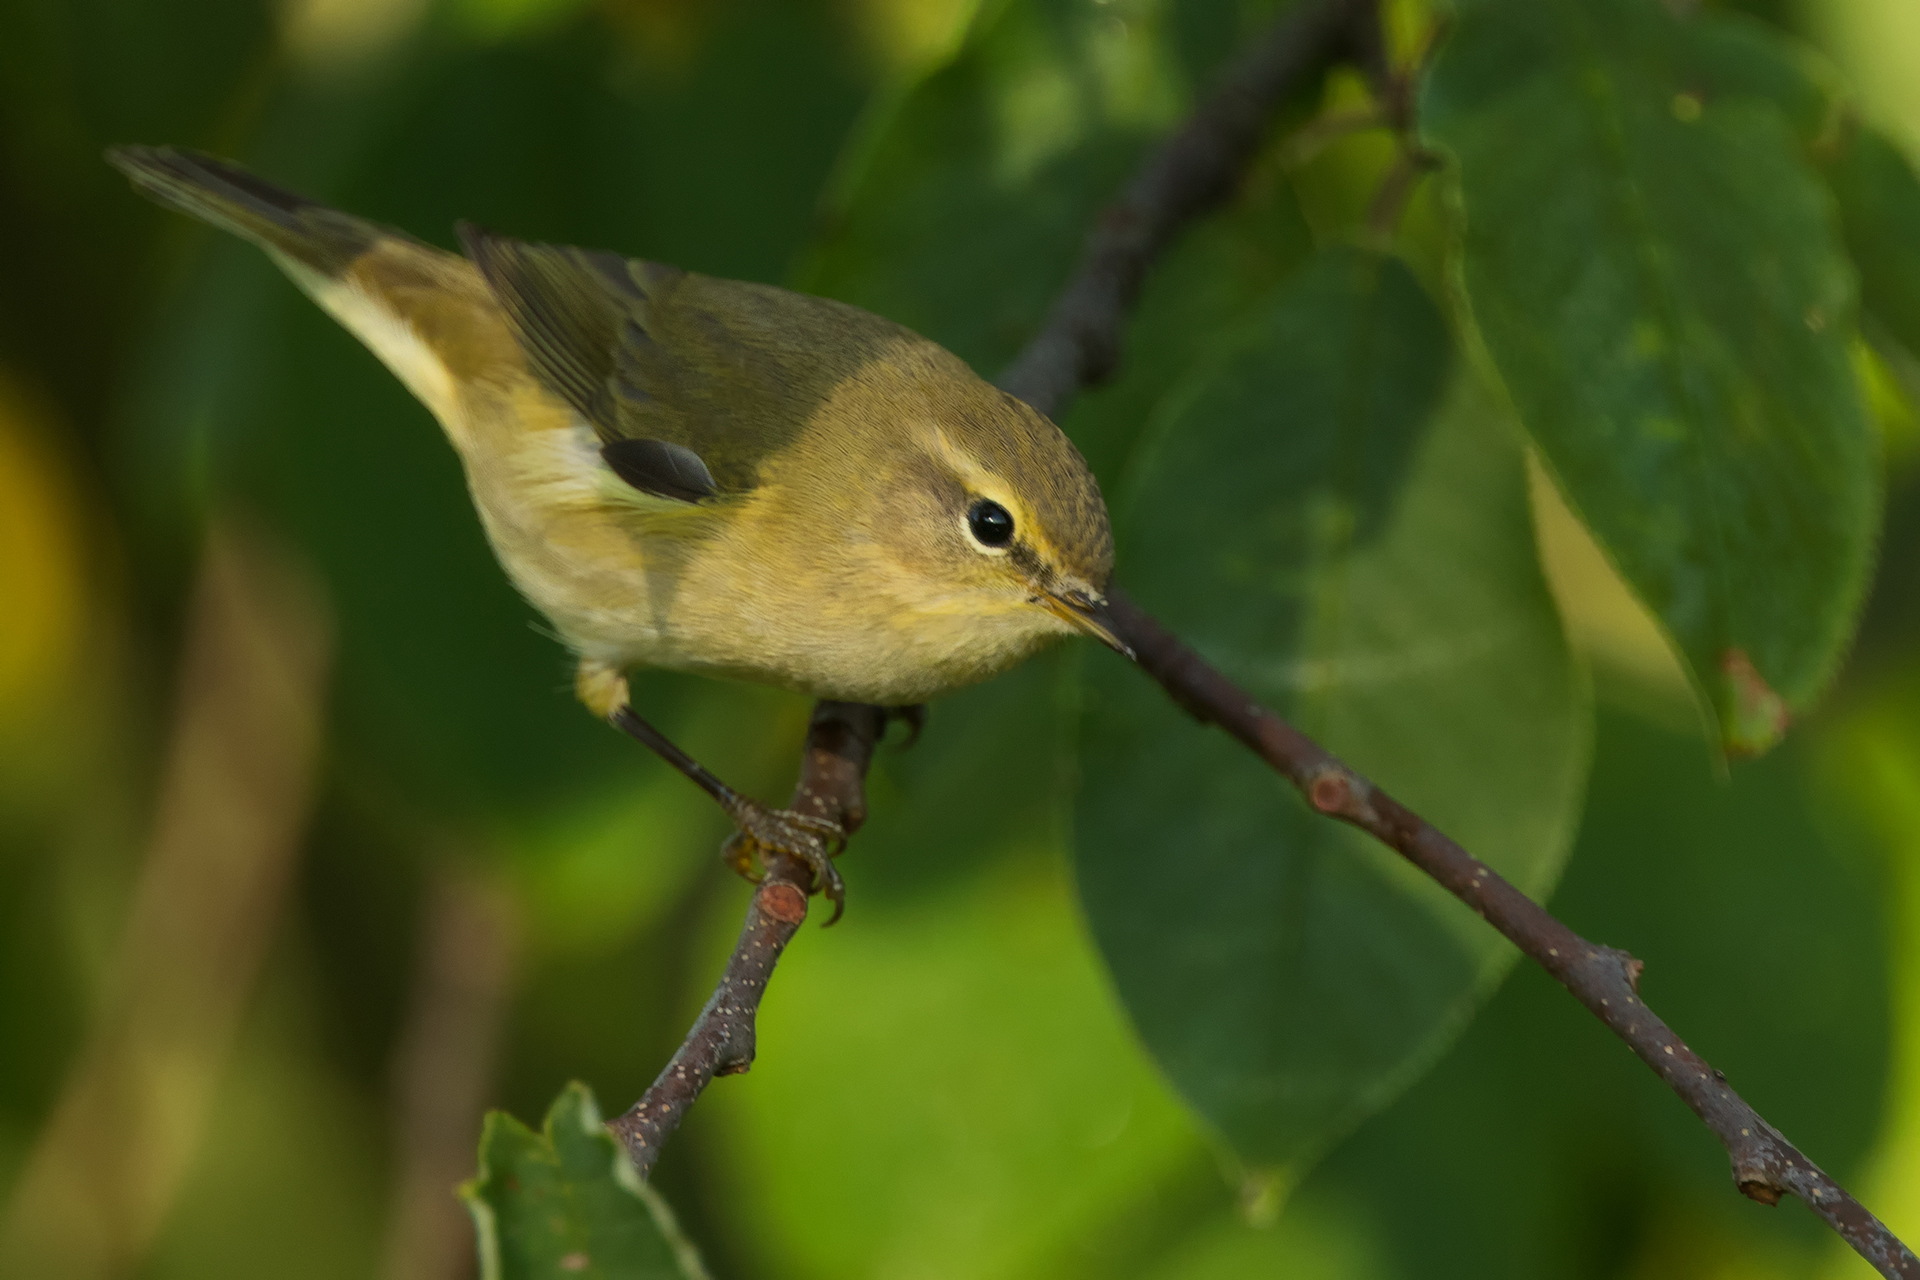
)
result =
(1191, 172)
(1080, 345)
(1765, 1165)
(833, 771)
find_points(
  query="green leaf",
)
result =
(1539, 1108)
(1880, 209)
(1657, 275)
(946, 1086)
(565, 1203)
(1729, 55)
(1302, 516)
(963, 209)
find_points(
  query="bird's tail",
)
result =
(425, 313)
(320, 239)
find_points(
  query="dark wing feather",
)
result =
(660, 467)
(692, 383)
(565, 318)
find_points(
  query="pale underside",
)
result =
(790, 584)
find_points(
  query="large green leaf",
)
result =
(1872, 181)
(1316, 519)
(1880, 209)
(1656, 273)
(565, 1203)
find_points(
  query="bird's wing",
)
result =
(692, 383)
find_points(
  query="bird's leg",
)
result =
(760, 829)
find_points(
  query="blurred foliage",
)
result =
(1105, 993)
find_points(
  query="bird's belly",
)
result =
(629, 592)
(595, 592)
(630, 619)
(875, 682)
(888, 659)
(586, 574)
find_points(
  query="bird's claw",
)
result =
(914, 717)
(813, 840)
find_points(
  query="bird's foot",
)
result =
(814, 841)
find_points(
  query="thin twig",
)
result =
(1080, 345)
(1188, 174)
(1765, 1165)
(840, 742)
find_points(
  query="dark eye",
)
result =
(990, 523)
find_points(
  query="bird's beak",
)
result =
(1087, 613)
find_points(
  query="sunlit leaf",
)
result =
(945, 1086)
(566, 1203)
(1656, 272)
(1302, 518)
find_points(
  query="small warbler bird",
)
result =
(707, 475)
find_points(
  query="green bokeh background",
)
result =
(948, 1084)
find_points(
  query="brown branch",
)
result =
(1080, 345)
(1765, 1165)
(833, 771)
(1191, 172)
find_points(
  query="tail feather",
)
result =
(317, 237)
(426, 313)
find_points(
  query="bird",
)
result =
(707, 475)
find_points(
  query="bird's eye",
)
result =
(992, 526)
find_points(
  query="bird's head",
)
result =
(990, 513)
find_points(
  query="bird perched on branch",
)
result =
(704, 474)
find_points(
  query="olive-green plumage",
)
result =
(704, 474)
